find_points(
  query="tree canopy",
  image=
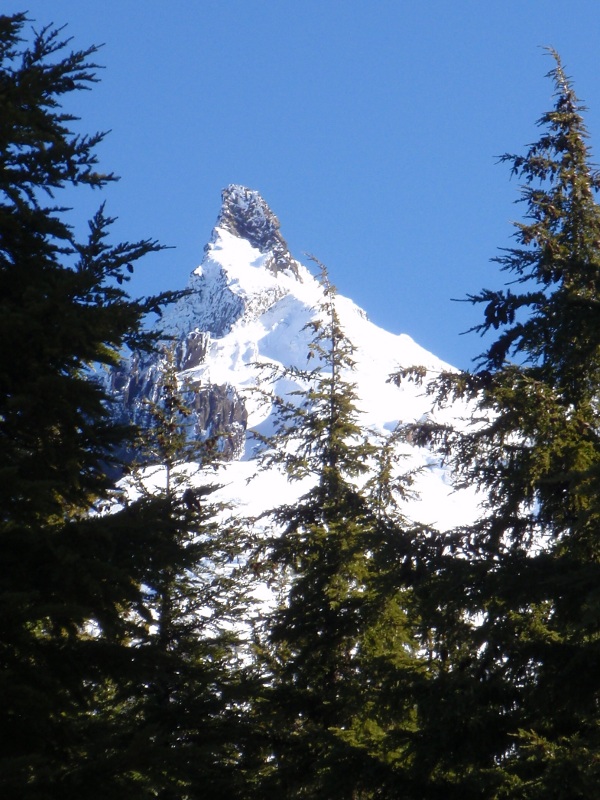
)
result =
(517, 612)
(342, 627)
(68, 573)
(390, 659)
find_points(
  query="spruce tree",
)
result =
(513, 599)
(339, 627)
(68, 574)
(184, 707)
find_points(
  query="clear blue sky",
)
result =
(371, 127)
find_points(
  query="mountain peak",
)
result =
(237, 314)
(245, 214)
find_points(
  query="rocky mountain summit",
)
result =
(245, 214)
(248, 305)
(213, 305)
(215, 302)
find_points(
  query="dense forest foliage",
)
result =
(394, 661)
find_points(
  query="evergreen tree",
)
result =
(340, 627)
(188, 730)
(513, 710)
(67, 575)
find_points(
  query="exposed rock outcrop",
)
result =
(219, 413)
(245, 214)
(207, 313)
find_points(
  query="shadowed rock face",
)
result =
(191, 349)
(217, 412)
(209, 312)
(245, 214)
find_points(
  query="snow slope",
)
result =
(250, 302)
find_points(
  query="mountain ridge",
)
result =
(249, 303)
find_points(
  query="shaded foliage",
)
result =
(517, 611)
(340, 646)
(68, 574)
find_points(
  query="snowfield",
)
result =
(255, 315)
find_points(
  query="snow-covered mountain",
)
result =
(248, 304)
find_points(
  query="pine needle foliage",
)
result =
(342, 624)
(184, 703)
(68, 574)
(514, 713)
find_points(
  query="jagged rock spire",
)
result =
(244, 213)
